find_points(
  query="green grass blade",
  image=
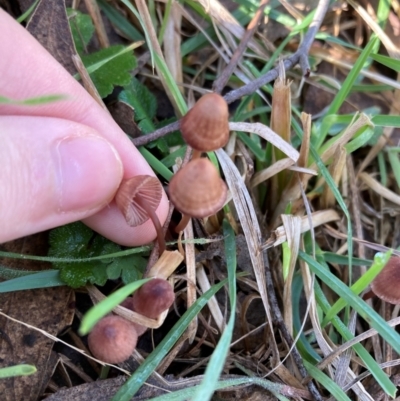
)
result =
(47, 278)
(360, 285)
(133, 384)
(395, 163)
(362, 308)
(338, 196)
(155, 164)
(331, 257)
(94, 314)
(370, 363)
(17, 370)
(118, 20)
(344, 90)
(172, 86)
(33, 101)
(217, 360)
(335, 391)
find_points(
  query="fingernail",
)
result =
(89, 172)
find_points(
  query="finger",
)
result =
(54, 172)
(51, 78)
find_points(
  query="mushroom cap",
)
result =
(386, 284)
(113, 339)
(133, 191)
(128, 304)
(153, 298)
(206, 127)
(197, 190)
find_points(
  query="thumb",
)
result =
(52, 172)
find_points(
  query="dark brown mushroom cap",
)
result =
(113, 339)
(197, 190)
(206, 127)
(133, 191)
(128, 304)
(386, 284)
(153, 298)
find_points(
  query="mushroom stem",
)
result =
(183, 223)
(196, 154)
(156, 222)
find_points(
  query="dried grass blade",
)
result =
(190, 258)
(225, 20)
(380, 189)
(172, 43)
(265, 174)
(293, 189)
(213, 305)
(331, 146)
(251, 229)
(266, 133)
(336, 170)
(318, 218)
(165, 265)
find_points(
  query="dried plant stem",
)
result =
(221, 81)
(301, 57)
(278, 320)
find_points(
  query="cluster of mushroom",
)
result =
(197, 190)
(113, 338)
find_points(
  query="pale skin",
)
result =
(62, 161)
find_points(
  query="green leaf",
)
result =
(130, 268)
(143, 102)
(82, 29)
(79, 243)
(110, 67)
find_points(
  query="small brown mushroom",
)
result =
(153, 298)
(113, 339)
(206, 127)
(128, 304)
(386, 284)
(197, 191)
(138, 198)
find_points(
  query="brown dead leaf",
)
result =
(50, 309)
(49, 25)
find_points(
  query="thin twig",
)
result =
(301, 56)
(278, 320)
(221, 81)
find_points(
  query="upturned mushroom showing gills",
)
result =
(386, 284)
(138, 198)
(197, 190)
(206, 127)
(113, 339)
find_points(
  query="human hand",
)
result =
(61, 161)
